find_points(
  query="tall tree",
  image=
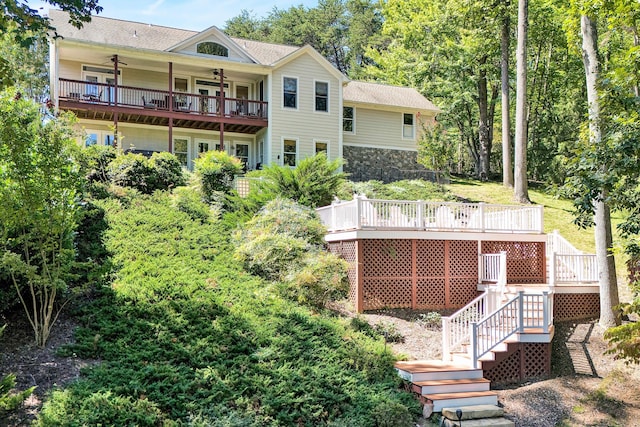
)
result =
(521, 192)
(505, 38)
(602, 218)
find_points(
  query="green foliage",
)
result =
(313, 183)
(400, 190)
(321, 277)
(161, 172)
(39, 188)
(186, 336)
(94, 162)
(189, 201)
(216, 171)
(430, 320)
(389, 331)
(389, 413)
(277, 238)
(436, 148)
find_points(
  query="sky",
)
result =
(187, 14)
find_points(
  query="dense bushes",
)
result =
(216, 171)
(186, 337)
(284, 242)
(313, 183)
(162, 171)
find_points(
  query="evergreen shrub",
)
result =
(216, 171)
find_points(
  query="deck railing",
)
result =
(456, 329)
(154, 99)
(493, 269)
(568, 264)
(363, 213)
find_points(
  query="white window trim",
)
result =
(328, 96)
(297, 150)
(173, 148)
(100, 134)
(180, 76)
(249, 153)
(282, 106)
(413, 136)
(324, 141)
(353, 120)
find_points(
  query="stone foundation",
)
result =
(365, 163)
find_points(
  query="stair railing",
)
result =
(456, 328)
(568, 264)
(521, 312)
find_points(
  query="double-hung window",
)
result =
(290, 148)
(322, 96)
(348, 119)
(408, 126)
(290, 92)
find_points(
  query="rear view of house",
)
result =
(152, 88)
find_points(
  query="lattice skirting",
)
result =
(526, 262)
(576, 306)
(522, 362)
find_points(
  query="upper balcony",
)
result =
(101, 101)
(370, 214)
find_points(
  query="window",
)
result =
(407, 126)
(322, 147)
(348, 119)
(98, 137)
(322, 96)
(242, 153)
(290, 87)
(289, 151)
(212, 48)
(180, 150)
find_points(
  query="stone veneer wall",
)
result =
(365, 163)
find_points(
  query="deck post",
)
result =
(446, 334)
(420, 214)
(333, 216)
(358, 212)
(474, 345)
(541, 216)
(483, 222)
(545, 312)
(521, 311)
(552, 273)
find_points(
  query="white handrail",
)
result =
(456, 328)
(568, 264)
(363, 213)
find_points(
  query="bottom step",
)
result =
(473, 412)
(448, 400)
(485, 422)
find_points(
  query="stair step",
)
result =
(451, 386)
(474, 412)
(484, 422)
(447, 400)
(427, 370)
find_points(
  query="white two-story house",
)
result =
(152, 88)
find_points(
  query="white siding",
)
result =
(379, 128)
(304, 123)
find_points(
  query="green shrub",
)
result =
(94, 161)
(11, 400)
(321, 277)
(216, 171)
(187, 200)
(389, 413)
(168, 171)
(132, 170)
(313, 183)
(277, 238)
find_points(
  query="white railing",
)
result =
(363, 213)
(522, 312)
(568, 264)
(493, 269)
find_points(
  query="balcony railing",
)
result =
(362, 213)
(152, 99)
(567, 264)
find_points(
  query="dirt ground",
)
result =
(587, 388)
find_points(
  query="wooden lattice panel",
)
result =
(462, 291)
(526, 261)
(386, 258)
(386, 293)
(430, 258)
(463, 259)
(576, 306)
(537, 360)
(507, 371)
(348, 251)
(431, 293)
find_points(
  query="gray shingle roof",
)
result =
(397, 96)
(266, 53)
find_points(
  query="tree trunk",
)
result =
(609, 316)
(484, 139)
(507, 171)
(521, 191)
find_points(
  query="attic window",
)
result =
(211, 48)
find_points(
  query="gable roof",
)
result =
(265, 53)
(380, 94)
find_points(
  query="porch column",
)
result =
(222, 109)
(170, 107)
(115, 100)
